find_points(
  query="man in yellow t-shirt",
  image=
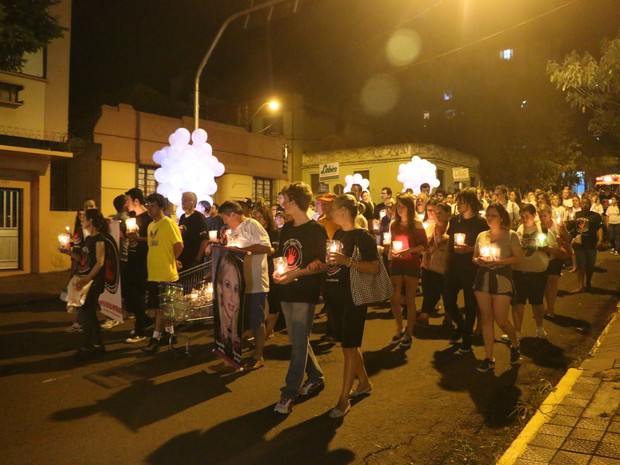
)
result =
(165, 245)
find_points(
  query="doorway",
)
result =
(11, 211)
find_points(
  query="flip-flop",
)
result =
(337, 413)
(354, 393)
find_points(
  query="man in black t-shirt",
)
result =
(193, 228)
(587, 238)
(302, 244)
(136, 275)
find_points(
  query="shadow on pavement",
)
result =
(495, 397)
(144, 402)
(543, 353)
(306, 443)
(388, 358)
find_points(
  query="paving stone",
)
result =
(588, 380)
(613, 438)
(522, 461)
(548, 440)
(584, 390)
(608, 449)
(571, 400)
(614, 426)
(565, 420)
(593, 423)
(555, 430)
(589, 434)
(569, 410)
(580, 445)
(570, 458)
(540, 454)
(603, 461)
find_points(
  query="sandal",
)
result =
(357, 393)
(337, 413)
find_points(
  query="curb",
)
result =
(541, 416)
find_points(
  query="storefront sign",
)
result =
(328, 171)
(460, 174)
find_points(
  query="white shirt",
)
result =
(255, 272)
(613, 215)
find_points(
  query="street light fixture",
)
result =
(273, 105)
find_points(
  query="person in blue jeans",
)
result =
(302, 245)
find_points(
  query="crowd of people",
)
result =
(500, 251)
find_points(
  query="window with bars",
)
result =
(262, 189)
(146, 179)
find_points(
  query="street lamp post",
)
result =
(273, 106)
(229, 20)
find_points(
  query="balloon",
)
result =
(199, 136)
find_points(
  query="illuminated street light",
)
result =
(273, 105)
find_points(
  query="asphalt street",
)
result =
(428, 404)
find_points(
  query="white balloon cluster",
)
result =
(355, 179)
(417, 172)
(187, 168)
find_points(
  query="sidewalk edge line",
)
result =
(599, 340)
(541, 416)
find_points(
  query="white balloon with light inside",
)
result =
(355, 179)
(187, 167)
(417, 172)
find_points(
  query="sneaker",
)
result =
(74, 328)
(165, 338)
(135, 339)
(284, 406)
(152, 347)
(541, 333)
(465, 348)
(486, 365)
(310, 387)
(109, 324)
(254, 364)
(405, 342)
(506, 339)
(456, 337)
(397, 337)
(515, 355)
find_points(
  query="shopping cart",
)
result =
(188, 302)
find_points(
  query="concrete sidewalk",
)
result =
(32, 288)
(579, 422)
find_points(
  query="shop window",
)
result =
(262, 188)
(146, 179)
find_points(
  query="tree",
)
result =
(593, 86)
(25, 27)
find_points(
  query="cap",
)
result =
(327, 197)
(247, 202)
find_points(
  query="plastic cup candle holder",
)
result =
(213, 235)
(387, 238)
(397, 246)
(375, 225)
(279, 264)
(459, 239)
(541, 240)
(131, 225)
(486, 252)
(64, 239)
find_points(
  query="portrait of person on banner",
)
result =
(229, 290)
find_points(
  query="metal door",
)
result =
(10, 221)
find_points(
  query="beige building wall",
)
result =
(383, 163)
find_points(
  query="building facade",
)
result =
(34, 108)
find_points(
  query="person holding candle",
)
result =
(386, 194)
(560, 253)
(559, 212)
(493, 286)
(347, 318)
(194, 230)
(435, 260)
(91, 269)
(530, 275)
(460, 270)
(302, 244)
(408, 241)
(136, 276)
(248, 235)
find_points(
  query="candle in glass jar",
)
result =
(334, 246)
(387, 238)
(541, 240)
(131, 225)
(213, 235)
(485, 252)
(397, 246)
(459, 239)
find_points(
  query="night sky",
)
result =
(326, 51)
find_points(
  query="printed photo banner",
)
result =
(110, 300)
(228, 303)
